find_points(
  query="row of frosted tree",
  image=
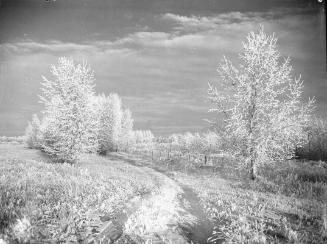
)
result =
(76, 120)
(176, 144)
(259, 107)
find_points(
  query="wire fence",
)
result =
(166, 154)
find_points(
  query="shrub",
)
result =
(316, 146)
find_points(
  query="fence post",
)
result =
(205, 159)
(309, 149)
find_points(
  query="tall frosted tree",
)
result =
(262, 101)
(116, 119)
(103, 112)
(33, 133)
(110, 115)
(70, 127)
(126, 128)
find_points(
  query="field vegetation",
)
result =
(286, 204)
(61, 202)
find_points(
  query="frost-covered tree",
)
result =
(110, 116)
(116, 119)
(102, 113)
(211, 141)
(33, 133)
(114, 122)
(70, 128)
(262, 101)
(143, 136)
(126, 129)
(142, 139)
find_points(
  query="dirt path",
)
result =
(172, 214)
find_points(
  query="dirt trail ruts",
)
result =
(171, 215)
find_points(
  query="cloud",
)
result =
(205, 32)
(219, 32)
(198, 23)
(50, 46)
(134, 42)
(171, 40)
(59, 47)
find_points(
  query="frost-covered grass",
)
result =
(286, 205)
(55, 202)
(44, 201)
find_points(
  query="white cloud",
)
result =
(191, 32)
(51, 46)
(198, 23)
(172, 40)
(222, 32)
(203, 23)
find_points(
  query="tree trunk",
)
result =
(252, 172)
(251, 126)
(252, 157)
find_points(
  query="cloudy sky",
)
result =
(158, 55)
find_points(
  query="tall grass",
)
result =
(287, 204)
(57, 202)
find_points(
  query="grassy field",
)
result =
(59, 202)
(287, 204)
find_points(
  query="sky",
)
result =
(158, 55)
